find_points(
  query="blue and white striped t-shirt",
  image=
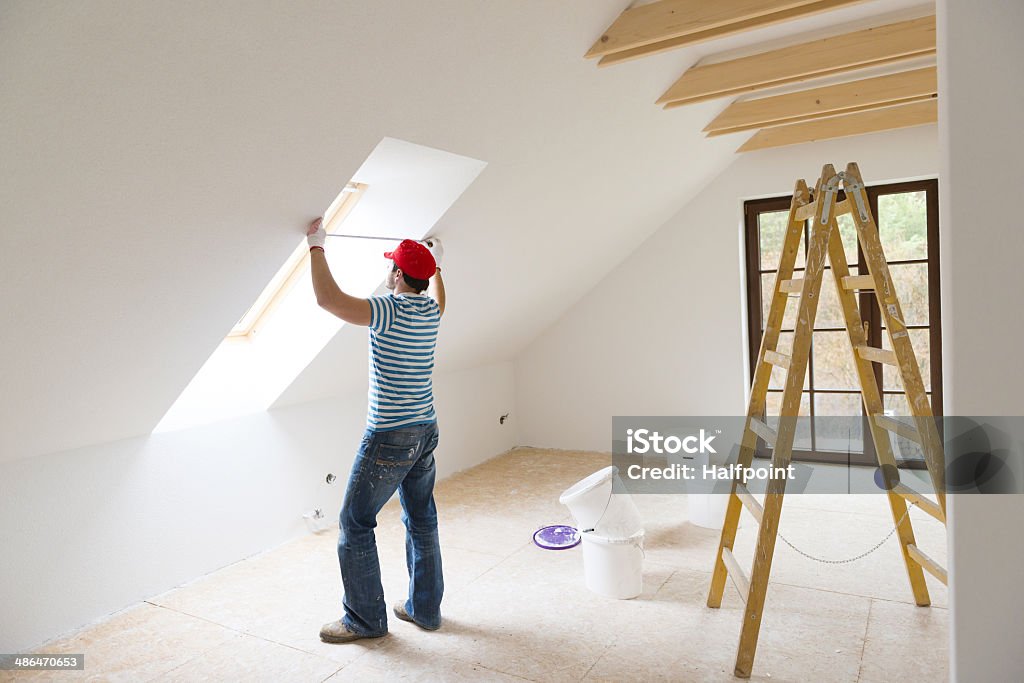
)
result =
(403, 332)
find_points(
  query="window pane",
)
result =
(785, 345)
(837, 423)
(903, 225)
(778, 379)
(773, 406)
(833, 362)
(848, 231)
(896, 404)
(902, 447)
(773, 403)
(767, 290)
(911, 281)
(772, 233)
(921, 341)
(830, 313)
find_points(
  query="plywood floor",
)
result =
(514, 612)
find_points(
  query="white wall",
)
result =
(664, 333)
(983, 149)
(87, 532)
(224, 131)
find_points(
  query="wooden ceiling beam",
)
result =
(665, 41)
(665, 19)
(836, 54)
(889, 118)
(843, 98)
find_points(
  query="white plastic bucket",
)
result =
(707, 501)
(595, 507)
(708, 509)
(613, 567)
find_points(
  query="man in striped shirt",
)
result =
(397, 450)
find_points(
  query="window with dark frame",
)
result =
(907, 217)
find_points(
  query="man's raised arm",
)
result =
(436, 287)
(328, 294)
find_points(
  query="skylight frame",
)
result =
(294, 267)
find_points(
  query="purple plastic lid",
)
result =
(556, 537)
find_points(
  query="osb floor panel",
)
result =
(515, 612)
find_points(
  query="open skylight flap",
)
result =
(409, 188)
(400, 192)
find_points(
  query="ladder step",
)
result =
(922, 502)
(792, 286)
(902, 428)
(748, 500)
(877, 355)
(858, 282)
(763, 431)
(804, 212)
(927, 563)
(807, 210)
(776, 358)
(737, 574)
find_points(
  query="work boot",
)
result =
(399, 609)
(338, 632)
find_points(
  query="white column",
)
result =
(981, 109)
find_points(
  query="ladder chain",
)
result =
(855, 557)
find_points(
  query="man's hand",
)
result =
(316, 235)
(436, 249)
(435, 289)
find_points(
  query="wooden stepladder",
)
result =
(826, 244)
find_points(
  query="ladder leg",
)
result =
(892, 314)
(759, 387)
(718, 578)
(905, 531)
(873, 406)
(759, 582)
(732, 522)
(782, 452)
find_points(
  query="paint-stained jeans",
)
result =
(401, 459)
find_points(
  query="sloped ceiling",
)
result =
(161, 157)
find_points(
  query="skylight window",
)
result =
(285, 329)
(294, 267)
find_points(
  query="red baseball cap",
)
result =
(414, 259)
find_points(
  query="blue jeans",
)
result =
(401, 459)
